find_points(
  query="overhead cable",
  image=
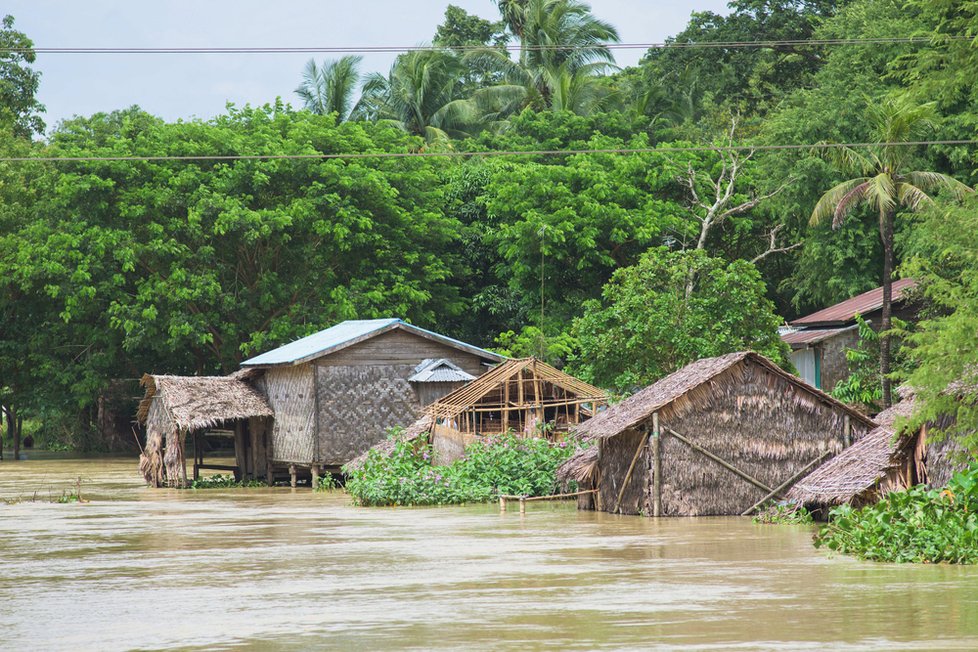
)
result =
(513, 47)
(473, 154)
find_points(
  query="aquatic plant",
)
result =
(783, 513)
(918, 525)
(223, 481)
(494, 465)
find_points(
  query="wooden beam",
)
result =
(656, 466)
(628, 474)
(719, 460)
(786, 484)
(240, 454)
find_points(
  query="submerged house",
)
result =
(718, 437)
(332, 395)
(885, 460)
(526, 395)
(175, 407)
(819, 341)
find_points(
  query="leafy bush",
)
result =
(503, 464)
(783, 514)
(222, 481)
(918, 525)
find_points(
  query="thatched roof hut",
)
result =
(884, 460)
(174, 406)
(722, 432)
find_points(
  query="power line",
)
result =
(485, 153)
(373, 49)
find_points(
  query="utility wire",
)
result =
(486, 153)
(371, 49)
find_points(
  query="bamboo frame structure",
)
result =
(543, 395)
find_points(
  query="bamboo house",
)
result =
(176, 407)
(887, 459)
(323, 399)
(719, 437)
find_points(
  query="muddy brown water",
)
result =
(277, 569)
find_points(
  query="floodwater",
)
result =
(277, 569)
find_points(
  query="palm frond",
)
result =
(911, 196)
(826, 205)
(935, 181)
(882, 193)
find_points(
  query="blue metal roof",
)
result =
(346, 333)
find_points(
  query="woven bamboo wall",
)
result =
(357, 404)
(290, 394)
(617, 455)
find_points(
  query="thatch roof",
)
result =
(195, 402)
(420, 427)
(676, 388)
(859, 467)
(463, 398)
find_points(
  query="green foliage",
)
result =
(943, 359)
(327, 483)
(862, 386)
(19, 108)
(223, 481)
(503, 464)
(330, 87)
(646, 327)
(555, 349)
(919, 525)
(781, 513)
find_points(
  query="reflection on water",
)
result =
(277, 569)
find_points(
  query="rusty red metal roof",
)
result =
(801, 339)
(861, 304)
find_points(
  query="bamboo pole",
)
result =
(597, 476)
(656, 467)
(506, 406)
(292, 476)
(628, 474)
(847, 431)
(787, 483)
(196, 457)
(315, 476)
(719, 460)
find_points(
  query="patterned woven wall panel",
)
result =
(290, 393)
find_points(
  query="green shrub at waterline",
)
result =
(503, 464)
(918, 525)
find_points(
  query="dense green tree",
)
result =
(113, 268)
(645, 326)
(461, 29)
(330, 87)
(748, 80)
(942, 256)
(885, 184)
(19, 107)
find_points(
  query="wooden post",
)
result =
(315, 477)
(181, 443)
(847, 431)
(522, 505)
(196, 457)
(292, 478)
(502, 504)
(13, 427)
(269, 463)
(240, 458)
(656, 467)
(506, 406)
(597, 476)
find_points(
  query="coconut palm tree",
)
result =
(563, 52)
(422, 95)
(881, 181)
(330, 88)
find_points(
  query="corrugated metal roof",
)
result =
(347, 333)
(439, 370)
(807, 337)
(845, 312)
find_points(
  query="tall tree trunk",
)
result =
(886, 234)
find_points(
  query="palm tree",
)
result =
(330, 88)
(882, 182)
(422, 95)
(563, 52)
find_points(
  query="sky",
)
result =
(199, 85)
